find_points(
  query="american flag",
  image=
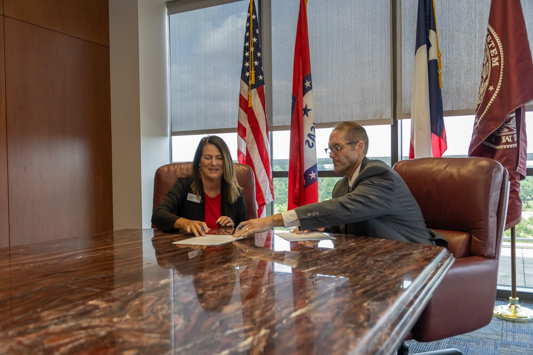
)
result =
(303, 173)
(253, 137)
(428, 136)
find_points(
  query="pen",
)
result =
(240, 227)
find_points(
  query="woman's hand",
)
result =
(199, 228)
(224, 221)
(224, 231)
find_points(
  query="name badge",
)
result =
(193, 198)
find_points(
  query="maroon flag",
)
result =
(253, 136)
(303, 170)
(506, 86)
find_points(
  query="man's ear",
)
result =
(360, 147)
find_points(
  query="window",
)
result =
(458, 131)
(351, 73)
(205, 64)
(352, 48)
(184, 147)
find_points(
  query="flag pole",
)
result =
(438, 47)
(513, 311)
(252, 69)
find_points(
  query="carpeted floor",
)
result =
(498, 338)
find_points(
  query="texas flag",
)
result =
(428, 136)
(303, 173)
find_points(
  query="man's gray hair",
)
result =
(354, 132)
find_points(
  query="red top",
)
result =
(212, 210)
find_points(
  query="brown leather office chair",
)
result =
(465, 199)
(166, 175)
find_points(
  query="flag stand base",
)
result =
(513, 312)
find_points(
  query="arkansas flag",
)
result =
(253, 142)
(428, 136)
(506, 86)
(303, 173)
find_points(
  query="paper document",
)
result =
(209, 240)
(304, 236)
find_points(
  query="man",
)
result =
(371, 200)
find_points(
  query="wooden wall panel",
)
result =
(59, 134)
(87, 19)
(1, 7)
(4, 216)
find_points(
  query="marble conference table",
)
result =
(134, 292)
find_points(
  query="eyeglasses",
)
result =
(337, 147)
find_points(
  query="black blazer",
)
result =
(183, 201)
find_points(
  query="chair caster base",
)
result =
(442, 352)
(404, 350)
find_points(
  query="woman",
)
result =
(209, 198)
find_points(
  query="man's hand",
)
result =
(258, 225)
(298, 231)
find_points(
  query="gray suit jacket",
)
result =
(380, 205)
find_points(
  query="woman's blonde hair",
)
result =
(230, 184)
